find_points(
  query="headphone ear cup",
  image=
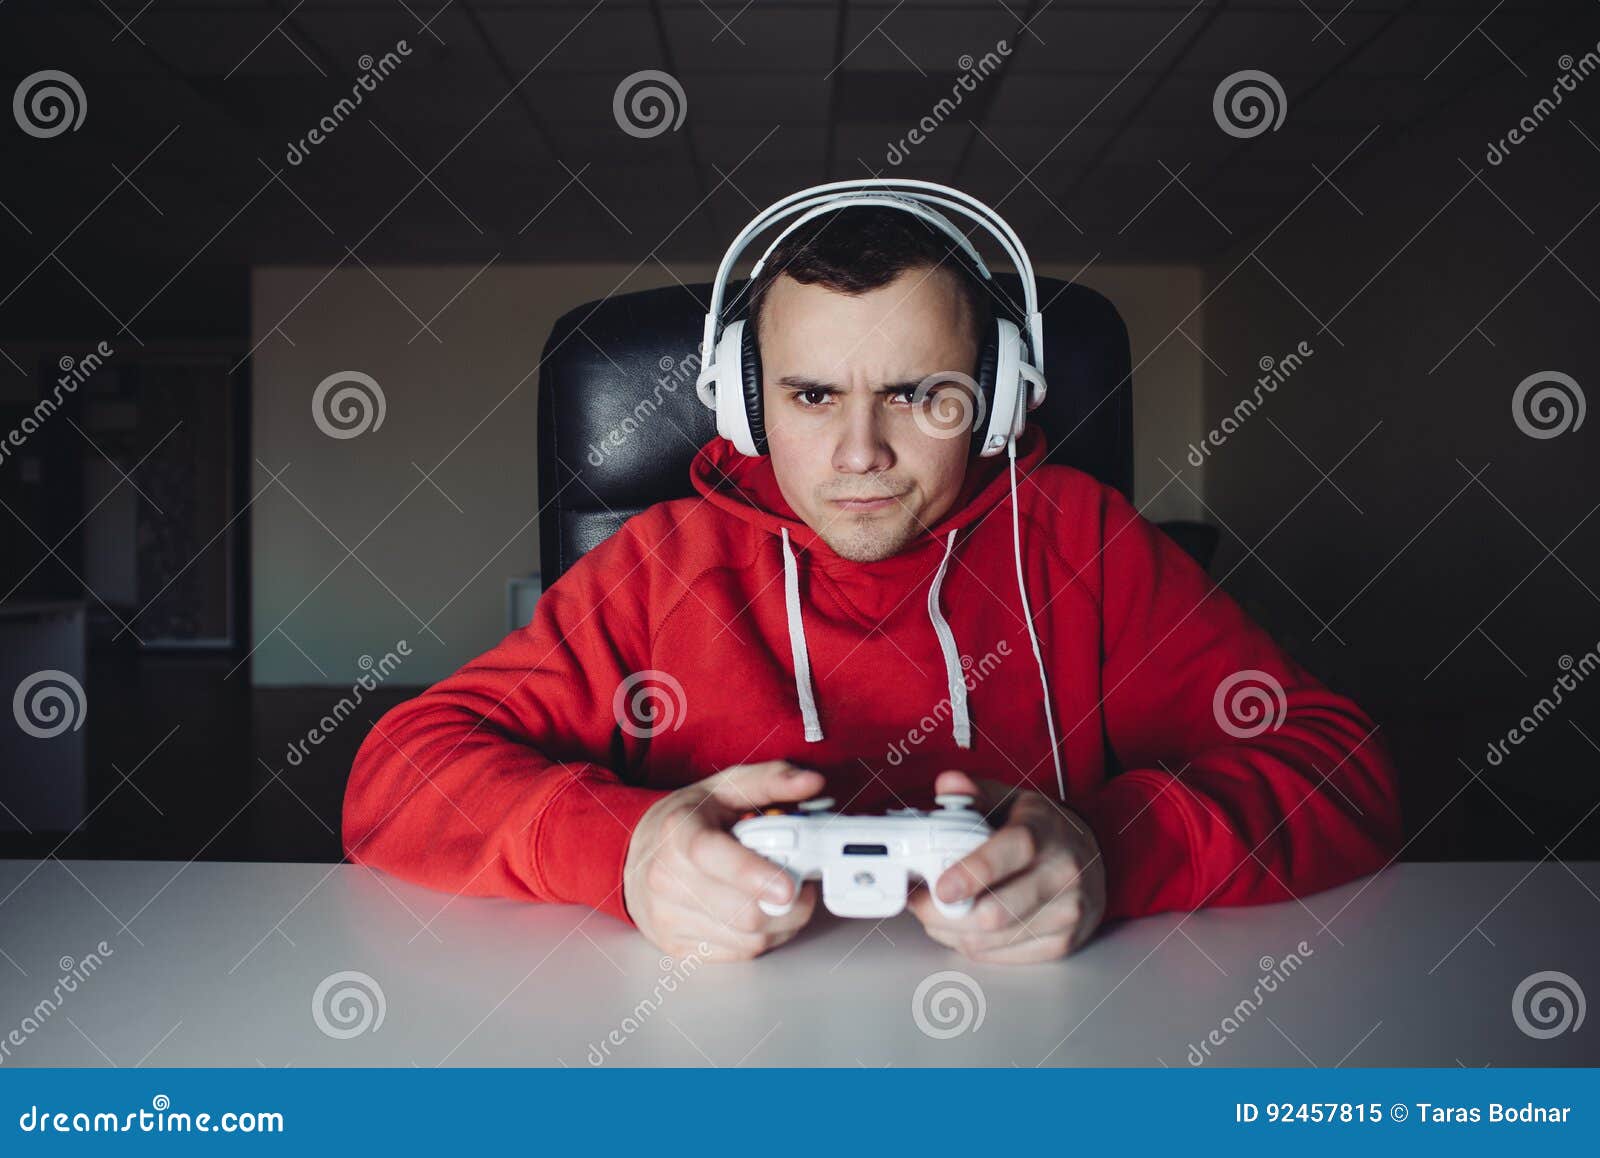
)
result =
(733, 416)
(754, 400)
(988, 364)
(1007, 390)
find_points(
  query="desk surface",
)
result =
(221, 964)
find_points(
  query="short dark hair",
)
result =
(863, 247)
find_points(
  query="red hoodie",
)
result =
(671, 651)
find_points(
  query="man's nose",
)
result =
(862, 447)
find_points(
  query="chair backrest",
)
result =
(619, 420)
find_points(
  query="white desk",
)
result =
(217, 964)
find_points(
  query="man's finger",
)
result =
(721, 857)
(991, 798)
(805, 905)
(1014, 945)
(713, 940)
(954, 782)
(1057, 924)
(1025, 951)
(1011, 903)
(773, 782)
(1011, 849)
(1008, 904)
(691, 924)
(690, 888)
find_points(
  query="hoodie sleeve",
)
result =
(1246, 780)
(495, 781)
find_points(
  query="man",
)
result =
(789, 631)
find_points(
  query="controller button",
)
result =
(816, 804)
(953, 800)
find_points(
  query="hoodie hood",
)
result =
(746, 488)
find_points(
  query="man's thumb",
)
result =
(772, 782)
(957, 783)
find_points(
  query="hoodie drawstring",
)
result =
(960, 724)
(797, 643)
(955, 676)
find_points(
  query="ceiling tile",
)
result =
(1106, 40)
(227, 42)
(1434, 44)
(349, 35)
(743, 37)
(879, 145)
(1050, 155)
(1066, 98)
(1279, 43)
(914, 40)
(557, 94)
(1172, 145)
(603, 142)
(1366, 99)
(760, 97)
(614, 42)
(760, 183)
(725, 145)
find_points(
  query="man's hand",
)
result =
(686, 880)
(1039, 883)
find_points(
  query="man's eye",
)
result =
(908, 394)
(806, 401)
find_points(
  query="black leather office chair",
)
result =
(619, 420)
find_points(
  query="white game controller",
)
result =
(865, 862)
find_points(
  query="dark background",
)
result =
(1388, 519)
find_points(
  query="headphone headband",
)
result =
(910, 205)
(916, 197)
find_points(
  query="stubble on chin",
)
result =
(868, 540)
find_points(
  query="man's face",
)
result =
(861, 461)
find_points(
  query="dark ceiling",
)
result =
(496, 135)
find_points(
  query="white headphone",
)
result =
(1008, 377)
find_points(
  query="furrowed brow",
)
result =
(796, 382)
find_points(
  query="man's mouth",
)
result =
(870, 503)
